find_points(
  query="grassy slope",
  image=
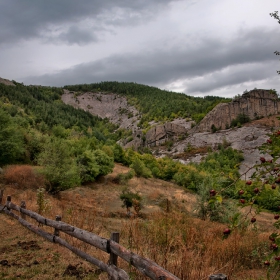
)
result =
(188, 247)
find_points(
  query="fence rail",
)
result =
(110, 246)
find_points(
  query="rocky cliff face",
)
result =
(254, 104)
(104, 105)
(159, 134)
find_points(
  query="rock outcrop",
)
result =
(255, 104)
(105, 105)
(6, 82)
(159, 134)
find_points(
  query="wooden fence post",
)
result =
(23, 205)
(9, 199)
(56, 231)
(219, 276)
(115, 236)
(1, 196)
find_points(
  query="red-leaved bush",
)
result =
(23, 177)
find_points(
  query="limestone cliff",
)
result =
(159, 134)
(254, 104)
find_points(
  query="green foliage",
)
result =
(140, 169)
(59, 167)
(214, 128)
(123, 178)
(130, 199)
(11, 140)
(240, 119)
(214, 208)
(119, 155)
(225, 161)
(93, 164)
(43, 108)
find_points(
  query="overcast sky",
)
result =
(199, 47)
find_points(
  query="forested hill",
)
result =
(153, 103)
(73, 147)
(42, 108)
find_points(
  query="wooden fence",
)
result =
(110, 246)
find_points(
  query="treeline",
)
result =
(153, 103)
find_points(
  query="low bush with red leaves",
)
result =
(23, 177)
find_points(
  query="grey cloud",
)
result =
(23, 19)
(232, 76)
(160, 67)
(74, 35)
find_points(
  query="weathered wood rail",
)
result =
(110, 246)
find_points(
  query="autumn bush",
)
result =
(23, 177)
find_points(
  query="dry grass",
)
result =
(188, 247)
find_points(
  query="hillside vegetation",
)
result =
(155, 104)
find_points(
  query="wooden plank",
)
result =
(56, 231)
(22, 206)
(55, 224)
(8, 202)
(31, 227)
(114, 272)
(90, 238)
(145, 266)
(115, 236)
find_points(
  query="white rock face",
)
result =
(105, 105)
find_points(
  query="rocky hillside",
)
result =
(257, 103)
(105, 105)
(180, 138)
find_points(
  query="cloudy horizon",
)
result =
(198, 47)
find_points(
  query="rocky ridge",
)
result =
(257, 103)
(179, 133)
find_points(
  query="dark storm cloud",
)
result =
(24, 20)
(160, 67)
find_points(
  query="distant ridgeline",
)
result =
(255, 104)
(154, 103)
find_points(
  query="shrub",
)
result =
(140, 169)
(123, 178)
(130, 199)
(23, 176)
(60, 169)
